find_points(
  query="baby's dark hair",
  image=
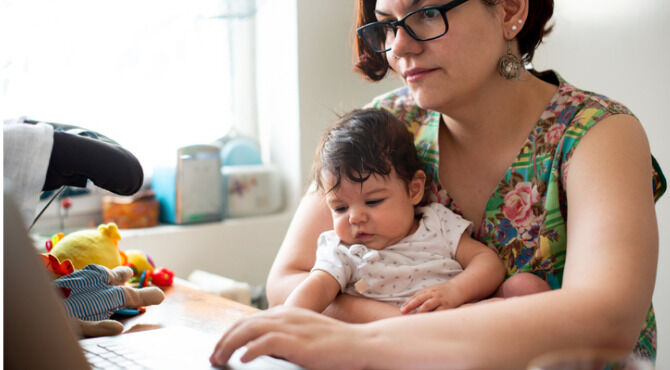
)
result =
(362, 143)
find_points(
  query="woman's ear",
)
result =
(416, 187)
(515, 14)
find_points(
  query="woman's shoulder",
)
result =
(574, 112)
(570, 115)
(580, 108)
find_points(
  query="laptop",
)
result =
(39, 335)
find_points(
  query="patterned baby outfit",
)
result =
(525, 219)
(395, 273)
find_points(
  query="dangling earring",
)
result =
(509, 65)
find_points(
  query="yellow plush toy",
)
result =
(90, 272)
(96, 246)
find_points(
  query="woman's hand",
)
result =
(298, 335)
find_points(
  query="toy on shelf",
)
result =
(145, 270)
(89, 269)
(95, 246)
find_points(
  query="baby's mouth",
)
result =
(363, 236)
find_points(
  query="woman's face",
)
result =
(449, 71)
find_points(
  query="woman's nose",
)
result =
(403, 43)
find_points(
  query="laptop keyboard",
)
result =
(111, 356)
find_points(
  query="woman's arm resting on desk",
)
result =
(612, 228)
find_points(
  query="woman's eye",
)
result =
(373, 202)
(431, 13)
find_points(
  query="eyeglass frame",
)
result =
(443, 9)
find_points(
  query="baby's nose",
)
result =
(357, 217)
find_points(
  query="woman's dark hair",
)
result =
(374, 65)
(362, 143)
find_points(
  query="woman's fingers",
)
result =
(298, 335)
(274, 343)
(279, 331)
(242, 332)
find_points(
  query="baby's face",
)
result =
(378, 214)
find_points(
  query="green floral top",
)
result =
(525, 218)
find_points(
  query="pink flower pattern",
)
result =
(518, 204)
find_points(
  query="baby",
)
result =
(384, 246)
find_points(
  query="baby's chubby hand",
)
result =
(434, 298)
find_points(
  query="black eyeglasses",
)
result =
(422, 25)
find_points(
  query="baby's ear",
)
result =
(417, 186)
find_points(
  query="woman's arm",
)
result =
(607, 285)
(296, 258)
(297, 253)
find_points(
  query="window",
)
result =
(153, 75)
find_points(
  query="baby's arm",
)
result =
(482, 274)
(316, 292)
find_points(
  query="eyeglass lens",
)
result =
(422, 25)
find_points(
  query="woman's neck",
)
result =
(498, 115)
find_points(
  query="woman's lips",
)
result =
(416, 74)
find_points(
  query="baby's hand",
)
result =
(434, 298)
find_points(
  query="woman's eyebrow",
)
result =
(379, 12)
(412, 6)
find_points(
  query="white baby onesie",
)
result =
(395, 273)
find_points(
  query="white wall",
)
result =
(620, 48)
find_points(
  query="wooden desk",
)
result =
(186, 306)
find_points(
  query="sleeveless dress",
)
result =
(525, 218)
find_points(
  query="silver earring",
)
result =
(514, 27)
(509, 65)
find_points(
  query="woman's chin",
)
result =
(425, 100)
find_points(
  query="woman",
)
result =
(505, 140)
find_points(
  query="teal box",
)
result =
(190, 192)
(164, 185)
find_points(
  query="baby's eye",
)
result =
(339, 209)
(373, 202)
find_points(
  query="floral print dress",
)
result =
(525, 219)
